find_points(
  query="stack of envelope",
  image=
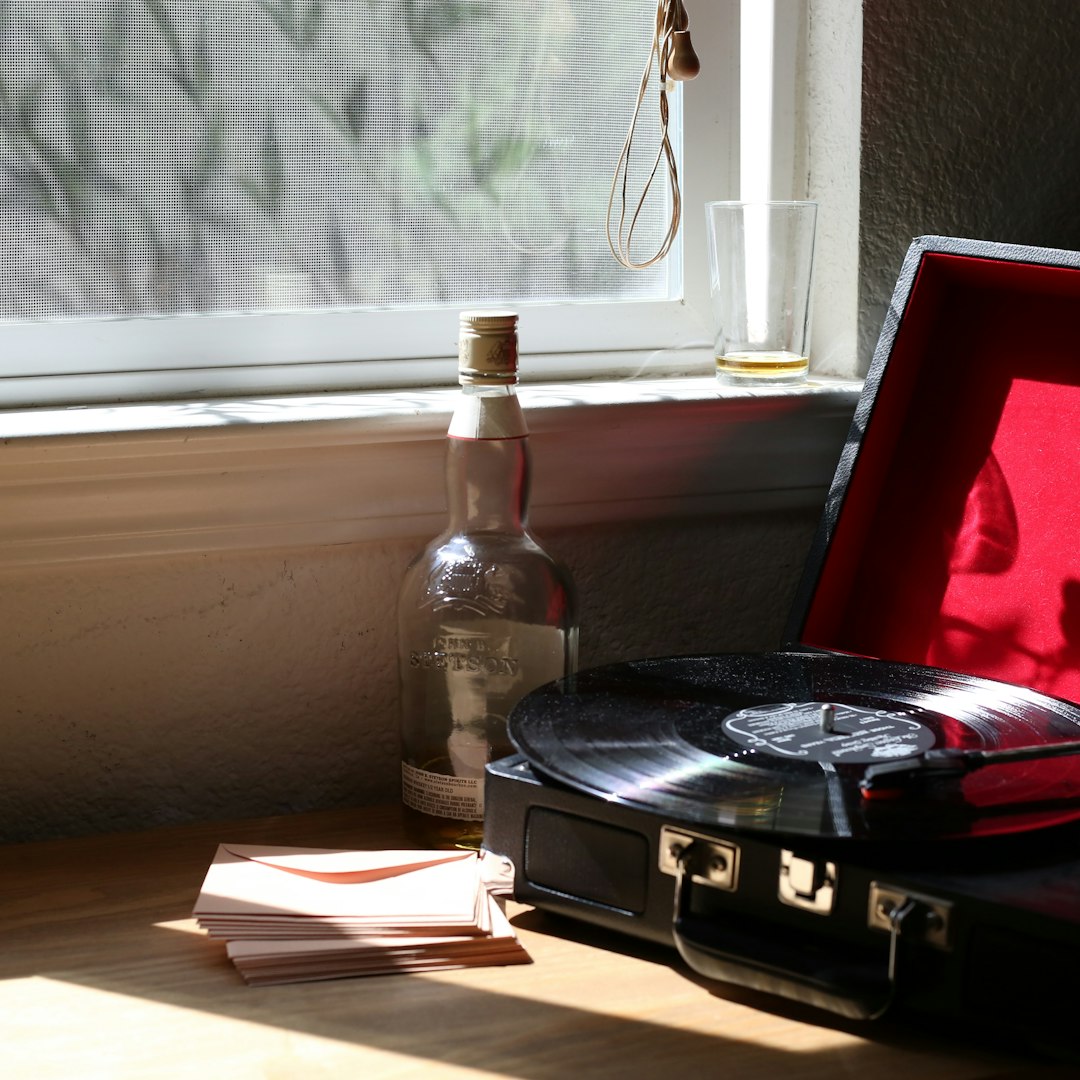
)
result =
(300, 914)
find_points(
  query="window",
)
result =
(218, 195)
(230, 443)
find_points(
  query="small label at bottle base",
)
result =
(460, 797)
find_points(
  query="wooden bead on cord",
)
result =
(683, 64)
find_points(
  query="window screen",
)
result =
(162, 157)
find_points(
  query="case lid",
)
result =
(951, 532)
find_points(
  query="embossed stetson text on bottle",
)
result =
(485, 614)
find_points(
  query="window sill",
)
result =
(189, 477)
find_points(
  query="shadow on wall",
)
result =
(969, 129)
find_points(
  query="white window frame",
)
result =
(84, 360)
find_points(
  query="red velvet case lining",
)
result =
(958, 543)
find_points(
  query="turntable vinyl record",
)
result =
(782, 743)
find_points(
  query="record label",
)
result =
(835, 734)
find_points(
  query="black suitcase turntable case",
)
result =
(886, 813)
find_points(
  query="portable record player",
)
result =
(886, 812)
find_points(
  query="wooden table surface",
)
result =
(104, 974)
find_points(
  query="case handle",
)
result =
(756, 958)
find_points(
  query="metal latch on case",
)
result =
(807, 883)
(897, 911)
(715, 862)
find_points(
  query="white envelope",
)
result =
(277, 961)
(408, 891)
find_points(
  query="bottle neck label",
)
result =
(481, 417)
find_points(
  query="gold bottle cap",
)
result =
(487, 348)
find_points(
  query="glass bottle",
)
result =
(484, 613)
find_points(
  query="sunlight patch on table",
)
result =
(157, 1041)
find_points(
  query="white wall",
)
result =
(147, 690)
(197, 621)
(971, 127)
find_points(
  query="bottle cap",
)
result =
(487, 347)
